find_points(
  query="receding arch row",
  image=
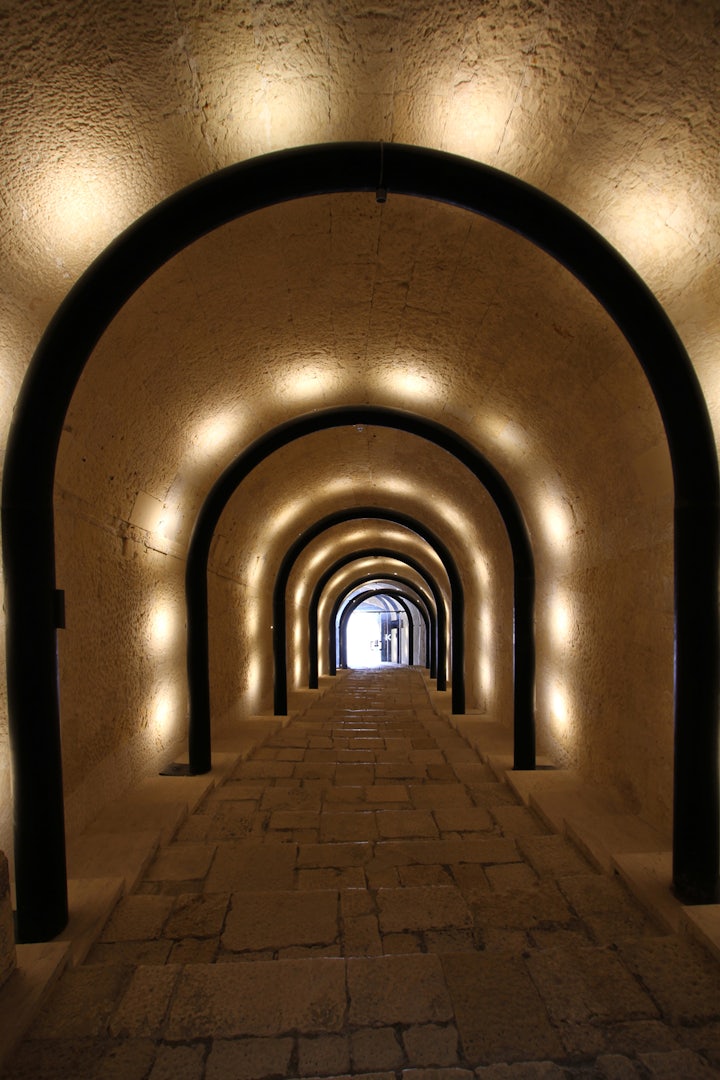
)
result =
(424, 604)
(436, 615)
(90, 306)
(462, 450)
(393, 605)
(399, 596)
(457, 599)
(400, 588)
(374, 553)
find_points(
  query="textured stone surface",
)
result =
(683, 980)
(480, 987)
(421, 908)
(584, 985)
(250, 865)
(274, 920)
(246, 1059)
(258, 999)
(397, 989)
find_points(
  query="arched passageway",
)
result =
(457, 608)
(446, 439)
(409, 601)
(400, 598)
(31, 601)
(433, 613)
(437, 618)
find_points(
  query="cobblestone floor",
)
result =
(362, 898)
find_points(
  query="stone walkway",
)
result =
(363, 898)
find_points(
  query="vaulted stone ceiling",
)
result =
(610, 107)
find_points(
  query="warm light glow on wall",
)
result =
(452, 516)
(215, 433)
(254, 675)
(506, 434)
(255, 572)
(318, 558)
(163, 713)
(557, 521)
(561, 621)
(558, 704)
(414, 384)
(477, 122)
(170, 522)
(252, 110)
(79, 206)
(654, 226)
(284, 515)
(487, 675)
(307, 385)
(162, 626)
(297, 639)
(396, 485)
(486, 625)
(252, 617)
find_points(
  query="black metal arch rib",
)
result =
(370, 553)
(457, 599)
(436, 618)
(27, 500)
(401, 598)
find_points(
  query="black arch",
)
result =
(401, 598)
(436, 616)
(369, 553)
(27, 503)
(457, 599)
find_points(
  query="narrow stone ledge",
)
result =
(26, 991)
(104, 855)
(703, 923)
(91, 902)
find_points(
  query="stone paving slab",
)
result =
(422, 908)
(227, 1000)
(682, 979)
(397, 990)
(261, 920)
(482, 988)
(253, 865)
(588, 985)
(138, 918)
